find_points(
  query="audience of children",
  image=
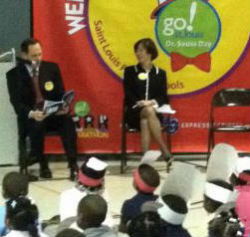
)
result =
(83, 208)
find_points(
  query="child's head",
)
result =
(14, 185)
(92, 211)
(173, 210)
(241, 174)
(225, 225)
(217, 192)
(241, 179)
(22, 215)
(146, 179)
(147, 224)
(91, 175)
(70, 233)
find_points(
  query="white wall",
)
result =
(8, 123)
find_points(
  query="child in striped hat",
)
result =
(176, 192)
(90, 180)
(218, 189)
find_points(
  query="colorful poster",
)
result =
(203, 45)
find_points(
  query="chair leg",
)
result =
(210, 143)
(123, 151)
(168, 137)
(22, 156)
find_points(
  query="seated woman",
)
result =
(145, 90)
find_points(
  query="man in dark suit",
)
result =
(30, 83)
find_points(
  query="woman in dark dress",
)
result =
(145, 90)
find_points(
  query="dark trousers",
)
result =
(36, 131)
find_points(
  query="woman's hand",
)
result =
(143, 103)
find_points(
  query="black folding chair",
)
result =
(229, 97)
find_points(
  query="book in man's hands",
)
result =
(52, 107)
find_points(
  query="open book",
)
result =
(51, 106)
(165, 109)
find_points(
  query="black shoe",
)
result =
(45, 173)
(73, 173)
(169, 160)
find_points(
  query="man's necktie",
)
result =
(36, 87)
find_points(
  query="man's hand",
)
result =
(64, 110)
(37, 115)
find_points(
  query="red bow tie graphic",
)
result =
(202, 61)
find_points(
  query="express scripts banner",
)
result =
(203, 45)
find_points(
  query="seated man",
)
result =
(30, 83)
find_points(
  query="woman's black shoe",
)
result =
(169, 158)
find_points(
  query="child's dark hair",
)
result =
(15, 185)
(149, 175)
(70, 233)
(211, 205)
(176, 203)
(92, 209)
(236, 181)
(22, 215)
(225, 225)
(147, 224)
(89, 189)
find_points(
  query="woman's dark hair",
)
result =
(147, 224)
(22, 215)
(15, 185)
(211, 205)
(149, 45)
(70, 233)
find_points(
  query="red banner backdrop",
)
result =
(92, 42)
